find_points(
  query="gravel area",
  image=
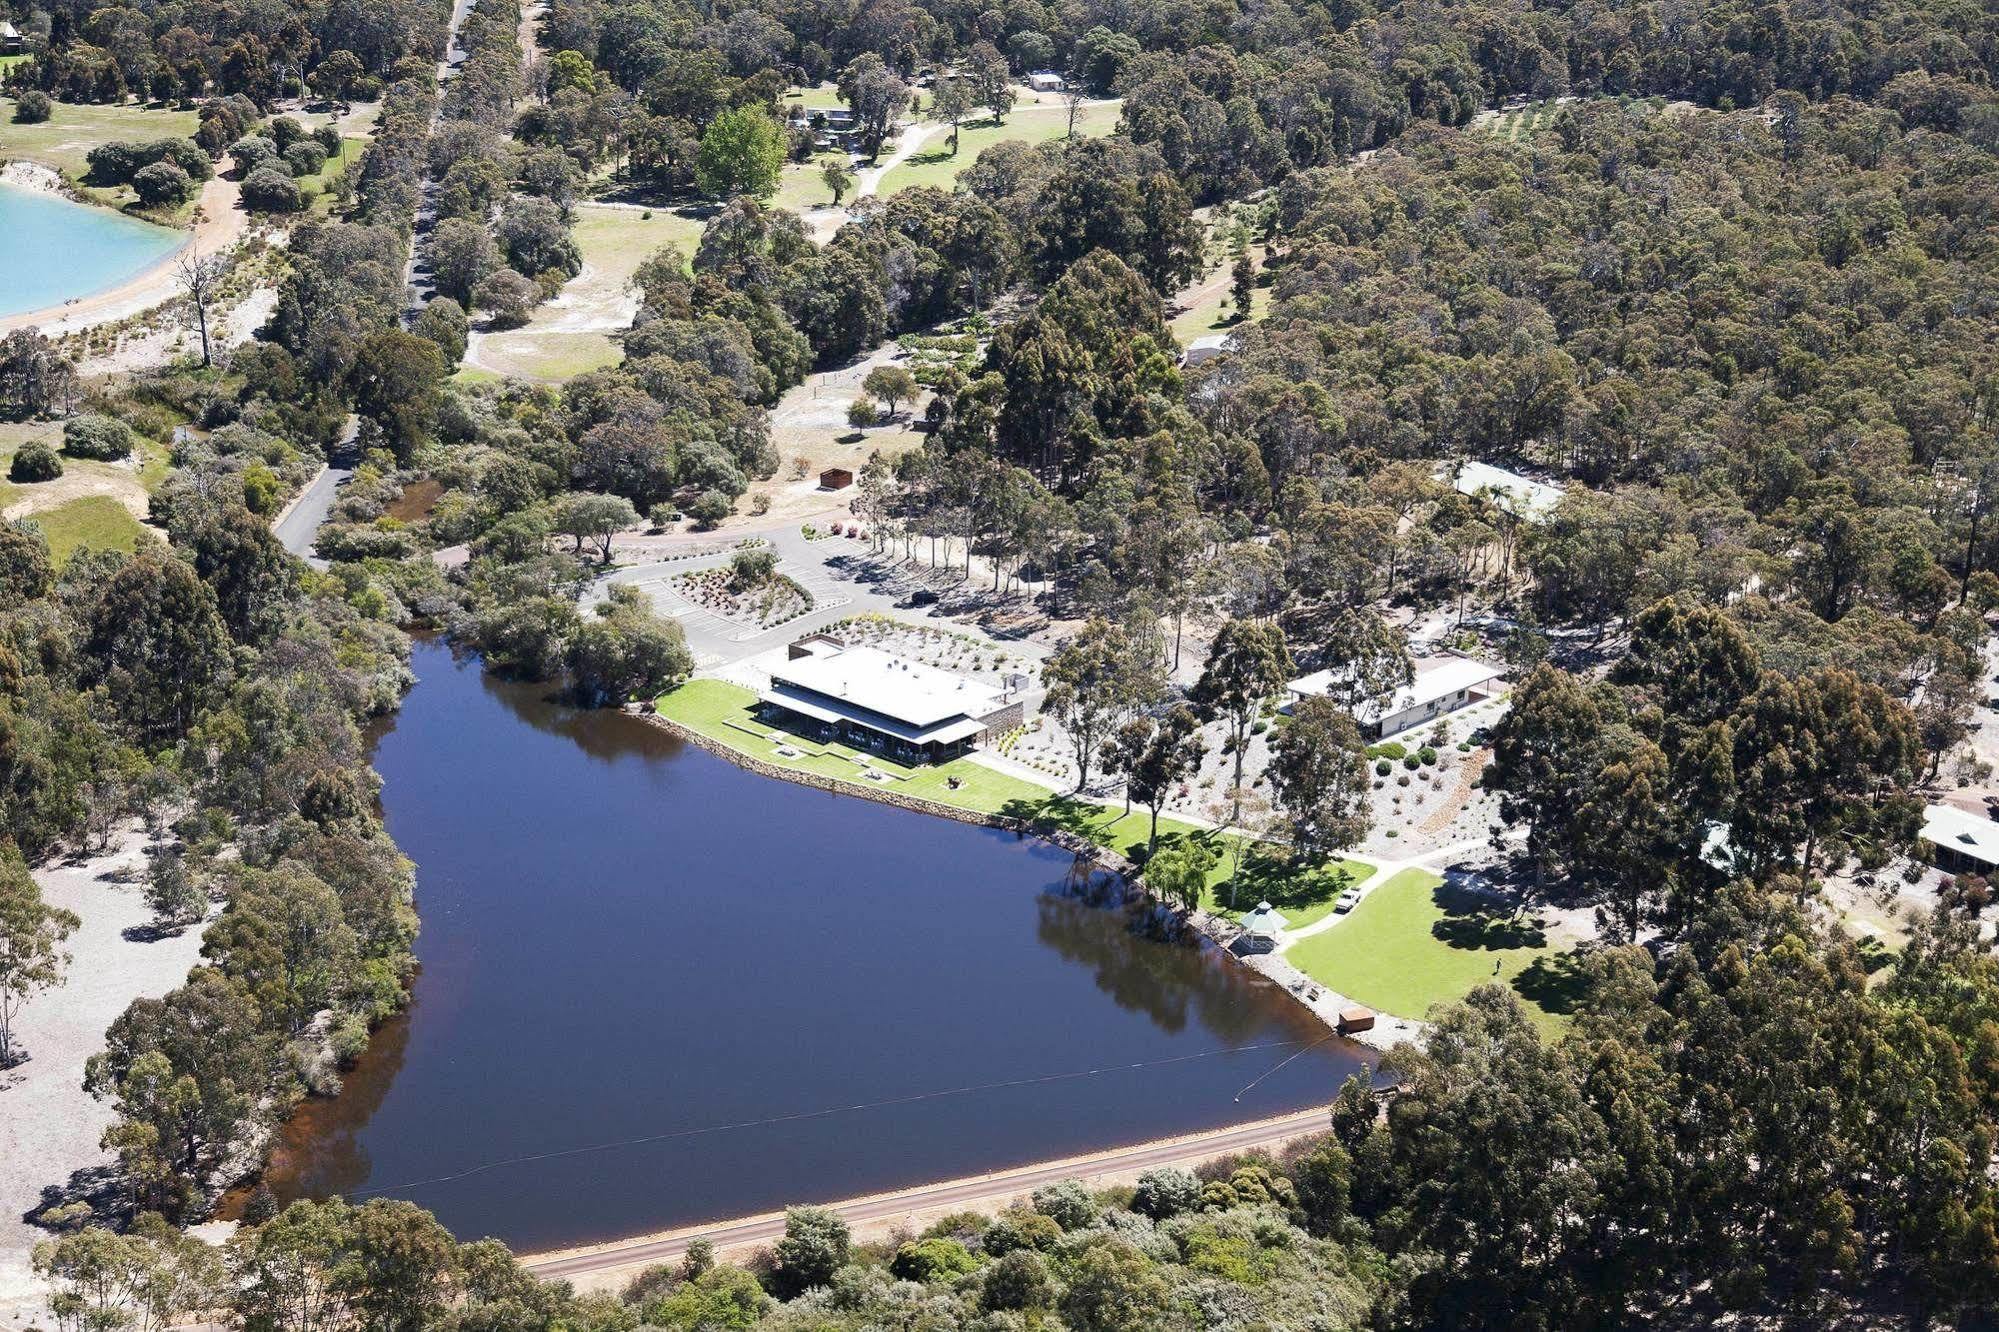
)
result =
(49, 1126)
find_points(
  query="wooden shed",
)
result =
(835, 478)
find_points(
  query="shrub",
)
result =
(862, 413)
(1427, 756)
(663, 516)
(104, 438)
(253, 152)
(305, 158)
(162, 185)
(327, 137)
(709, 508)
(1382, 767)
(35, 462)
(1165, 1192)
(507, 297)
(1411, 762)
(760, 505)
(270, 190)
(1068, 1204)
(33, 107)
(1388, 749)
(931, 1260)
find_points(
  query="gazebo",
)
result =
(1262, 927)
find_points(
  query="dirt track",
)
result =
(604, 1266)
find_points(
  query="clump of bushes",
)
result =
(36, 461)
(1391, 750)
(33, 107)
(162, 185)
(102, 438)
(1427, 756)
(270, 189)
(1382, 767)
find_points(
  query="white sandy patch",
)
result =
(31, 176)
(49, 1126)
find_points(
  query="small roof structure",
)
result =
(1523, 497)
(1046, 80)
(1265, 922)
(1437, 678)
(1206, 348)
(1963, 834)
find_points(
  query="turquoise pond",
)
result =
(52, 250)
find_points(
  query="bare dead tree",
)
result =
(199, 276)
(1073, 96)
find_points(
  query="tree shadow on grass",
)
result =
(1556, 984)
(1477, 920)
(1287, 884)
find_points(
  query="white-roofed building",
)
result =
(883, 703)
(1046, 80)
(1529, 500)
(1442, 685)
(1206, 348)
(1964, 843)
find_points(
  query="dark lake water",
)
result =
(658, 990)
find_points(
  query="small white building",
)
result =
(1962, 842)
(1206, 348)
(1529, 500)
(1046, 81)
(1443, 684)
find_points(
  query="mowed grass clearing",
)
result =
(724, 712)
(1415, 942)
(935, 164)
(95, 522)
(560, 342)
(65, 139)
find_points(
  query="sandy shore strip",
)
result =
(220, 223)
(49, 1126)
(609, 1266)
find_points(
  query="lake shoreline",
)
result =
(1220, 931)
(219, 224)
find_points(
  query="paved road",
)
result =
(980, 1191)
(301, 522)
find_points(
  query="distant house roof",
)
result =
(1519, 495)
(1949, 828)
(891, 694)
(1437, 678)
(1206, 348)
(8, 29)
(1045, 80)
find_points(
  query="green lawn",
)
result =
(320, 186)
(935, 165)
(95, 521)
(614, 242)
(1414, 942)
(801, 186)
(65, 139)
(722, 711)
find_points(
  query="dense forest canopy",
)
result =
(1736, 291)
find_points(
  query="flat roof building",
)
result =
(1525, 498)
(1046, 80)
(883, 703)
(1442, 685)
(1964, 843)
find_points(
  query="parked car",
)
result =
(1347, 901)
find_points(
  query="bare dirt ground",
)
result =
(809, 424)
(49, 1126)
(80, 479)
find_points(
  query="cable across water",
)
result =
(801, 1115)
